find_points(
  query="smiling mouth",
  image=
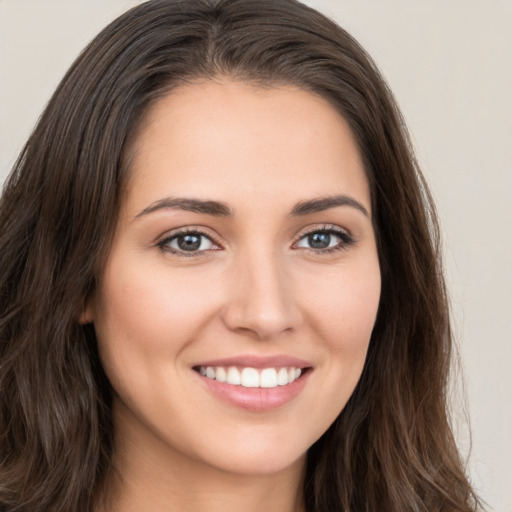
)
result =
(249, 377)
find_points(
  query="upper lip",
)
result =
(259, 362)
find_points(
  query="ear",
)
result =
(87, 315)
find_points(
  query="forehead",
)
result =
(233, 140)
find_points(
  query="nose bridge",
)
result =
(261, 294)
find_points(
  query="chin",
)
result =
(264, 463)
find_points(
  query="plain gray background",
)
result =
(449, 63)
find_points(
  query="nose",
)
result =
(260, 300)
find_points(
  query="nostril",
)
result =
(260, 321)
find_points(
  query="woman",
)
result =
(221, 283)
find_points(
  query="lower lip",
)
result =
(256, 399)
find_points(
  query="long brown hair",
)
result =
(391, 448)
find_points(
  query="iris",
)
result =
(319, 240)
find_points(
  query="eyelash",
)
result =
(164, 243)
(346, 240)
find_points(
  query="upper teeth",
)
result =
(251, 377)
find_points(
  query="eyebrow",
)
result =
(190, 205)
(219, 209)
(326, 203)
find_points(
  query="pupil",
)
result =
(319, 240)
(189, 242)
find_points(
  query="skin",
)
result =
(258, 288)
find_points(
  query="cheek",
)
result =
(144, 320)
(343, 310)
(149, 307)
(343, 305)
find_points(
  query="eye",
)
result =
(326, 239)
(187, 242)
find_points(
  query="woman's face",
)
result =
(234, 312)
